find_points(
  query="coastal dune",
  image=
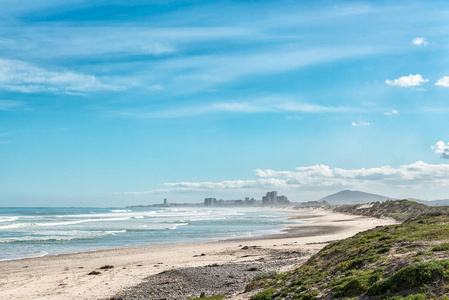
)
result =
(104, 274)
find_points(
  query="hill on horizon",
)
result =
(353, 197)
(358, 197)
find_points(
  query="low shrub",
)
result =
(413, 276)
(441, 247)
(264, 295)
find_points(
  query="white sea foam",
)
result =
(8, 219)
(124, 213)
(61, 236)
(17, 225)
(31, 255)
(175, 226)
(81, 221)
(161, 226)
(66, 223)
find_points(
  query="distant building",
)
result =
(282, 200)
(265, 200)
(165, 202)
(249, 201)
(210, 201)
(272, 198)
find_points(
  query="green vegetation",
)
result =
(402, 261)
(414, 276)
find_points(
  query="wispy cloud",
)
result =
(444, 81)
(442, 149)
(392, 113)
(266, 105)
(420, 41)
(361, 123)
(194, 73)
(407, 81)
(9, 105)
(321, 177)
(23, 77)
(3, 136)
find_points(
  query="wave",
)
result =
(22, 225)
(175, 226)
(162, 226)
(62, 236)
(8, 219)
(117, 213)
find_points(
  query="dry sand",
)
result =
(67, 276)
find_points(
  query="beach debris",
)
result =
(94, 273)
(203, 295)
(202, 254)
(106, 267)
(251, 247)
(252, 269)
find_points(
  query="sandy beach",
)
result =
(104, 274)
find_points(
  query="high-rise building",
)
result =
(265, 200)
(282, 200)
(272, 198)
(210, 201)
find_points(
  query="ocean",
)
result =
(35, 232)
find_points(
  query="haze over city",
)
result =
(114, 103)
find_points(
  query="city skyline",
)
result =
(121, 103)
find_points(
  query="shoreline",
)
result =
(280, 228)
(67, 275)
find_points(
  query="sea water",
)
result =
(34, 232)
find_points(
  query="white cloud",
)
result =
(318, 177)
(441, 148)
(392, 113)
(419, 41)
(407, 81)
(20, 76)
(444, 81)
(315, 176)
(361, 123)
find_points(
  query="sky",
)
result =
(114, 103)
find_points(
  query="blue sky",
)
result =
(111, 103)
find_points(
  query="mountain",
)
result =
(353, 197)
(442, 202)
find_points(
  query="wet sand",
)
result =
(117, 273)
